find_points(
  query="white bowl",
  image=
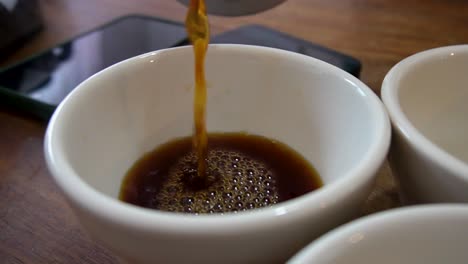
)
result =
(113, 118)
(430, 234)
(427, 99)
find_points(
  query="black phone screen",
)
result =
(50, 76)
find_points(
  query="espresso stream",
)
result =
(196, 24)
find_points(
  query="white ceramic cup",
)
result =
(429, 234)
(427, 99)
(113, 118)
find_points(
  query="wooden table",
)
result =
(37, 225)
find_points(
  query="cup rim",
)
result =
(401, 123)
(111, 209)
(393, 217)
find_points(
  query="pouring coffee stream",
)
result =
(196, 24)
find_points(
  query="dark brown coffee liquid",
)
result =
(243, 172)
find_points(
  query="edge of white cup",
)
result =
(390, 91)
(415, 213)
(141, 218)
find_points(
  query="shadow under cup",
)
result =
(116, 116)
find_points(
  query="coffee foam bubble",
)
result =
(237, 183)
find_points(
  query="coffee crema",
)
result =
(243, 172)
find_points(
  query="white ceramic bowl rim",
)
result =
(390, 92)
(141, 218)
(394, 217)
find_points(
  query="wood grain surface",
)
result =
(37, 225)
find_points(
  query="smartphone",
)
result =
(263, 36)
(38, 84)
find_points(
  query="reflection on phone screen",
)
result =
(50, 76)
